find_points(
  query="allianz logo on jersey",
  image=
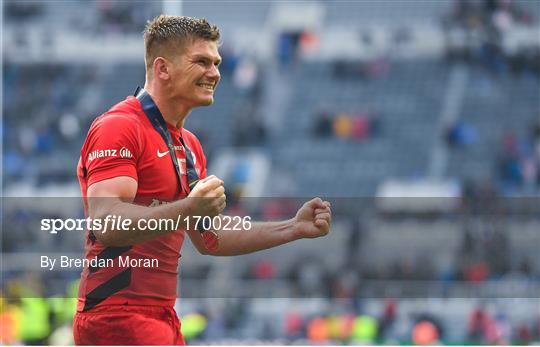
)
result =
(102, 153)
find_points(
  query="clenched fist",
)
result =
(313, 219)
(207, 197)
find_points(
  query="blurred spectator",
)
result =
(193, 325)
(343, 126)
(263, 270)
(523, 335)
(323, 124)
(360, 127)
(120, 17)
(497, 247)
(309, 42)
(536, 328)
(477, 325)
(356, 232)
(387, 319)
(309, 278)
(341, 327)
(246, 77)
(364, 330)
(9, 322)
(288, 44)
(509, 168)
(345, 284)
(69, 126)
(318, 331)
(294, 325)
(460, 134)
(503, 329)
(518, 161)
(476, 272)
(249, 129)
(475, 31)
(425, 333)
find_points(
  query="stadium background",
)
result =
(420, 120)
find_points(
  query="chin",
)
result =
(206, 102)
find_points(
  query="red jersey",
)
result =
(123, 142)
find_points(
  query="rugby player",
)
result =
(138, 162)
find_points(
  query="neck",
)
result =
(173, 112)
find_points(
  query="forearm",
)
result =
(259, 236)
(312, 220)
(138, 230)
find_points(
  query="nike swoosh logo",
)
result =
(161, 155)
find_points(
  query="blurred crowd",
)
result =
(49, 106)
(475, 33)
(30, 319)
(45, 118)
(358, 127)
(518, 163)
(31, 316)
(484, 256)
(386, 323)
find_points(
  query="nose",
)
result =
(214, 73)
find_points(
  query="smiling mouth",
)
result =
(207, 86)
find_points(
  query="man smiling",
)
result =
(161, 175)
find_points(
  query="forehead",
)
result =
(208, 49)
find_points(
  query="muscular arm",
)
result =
(312, 220)
(115, 196)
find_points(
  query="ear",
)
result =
(161, 68)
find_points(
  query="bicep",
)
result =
(111, 150)
(102, 195)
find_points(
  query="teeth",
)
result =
(207, 86)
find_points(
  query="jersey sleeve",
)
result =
(112, 149)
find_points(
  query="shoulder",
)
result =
(121, 126)
(123, 117)
(117, 122)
